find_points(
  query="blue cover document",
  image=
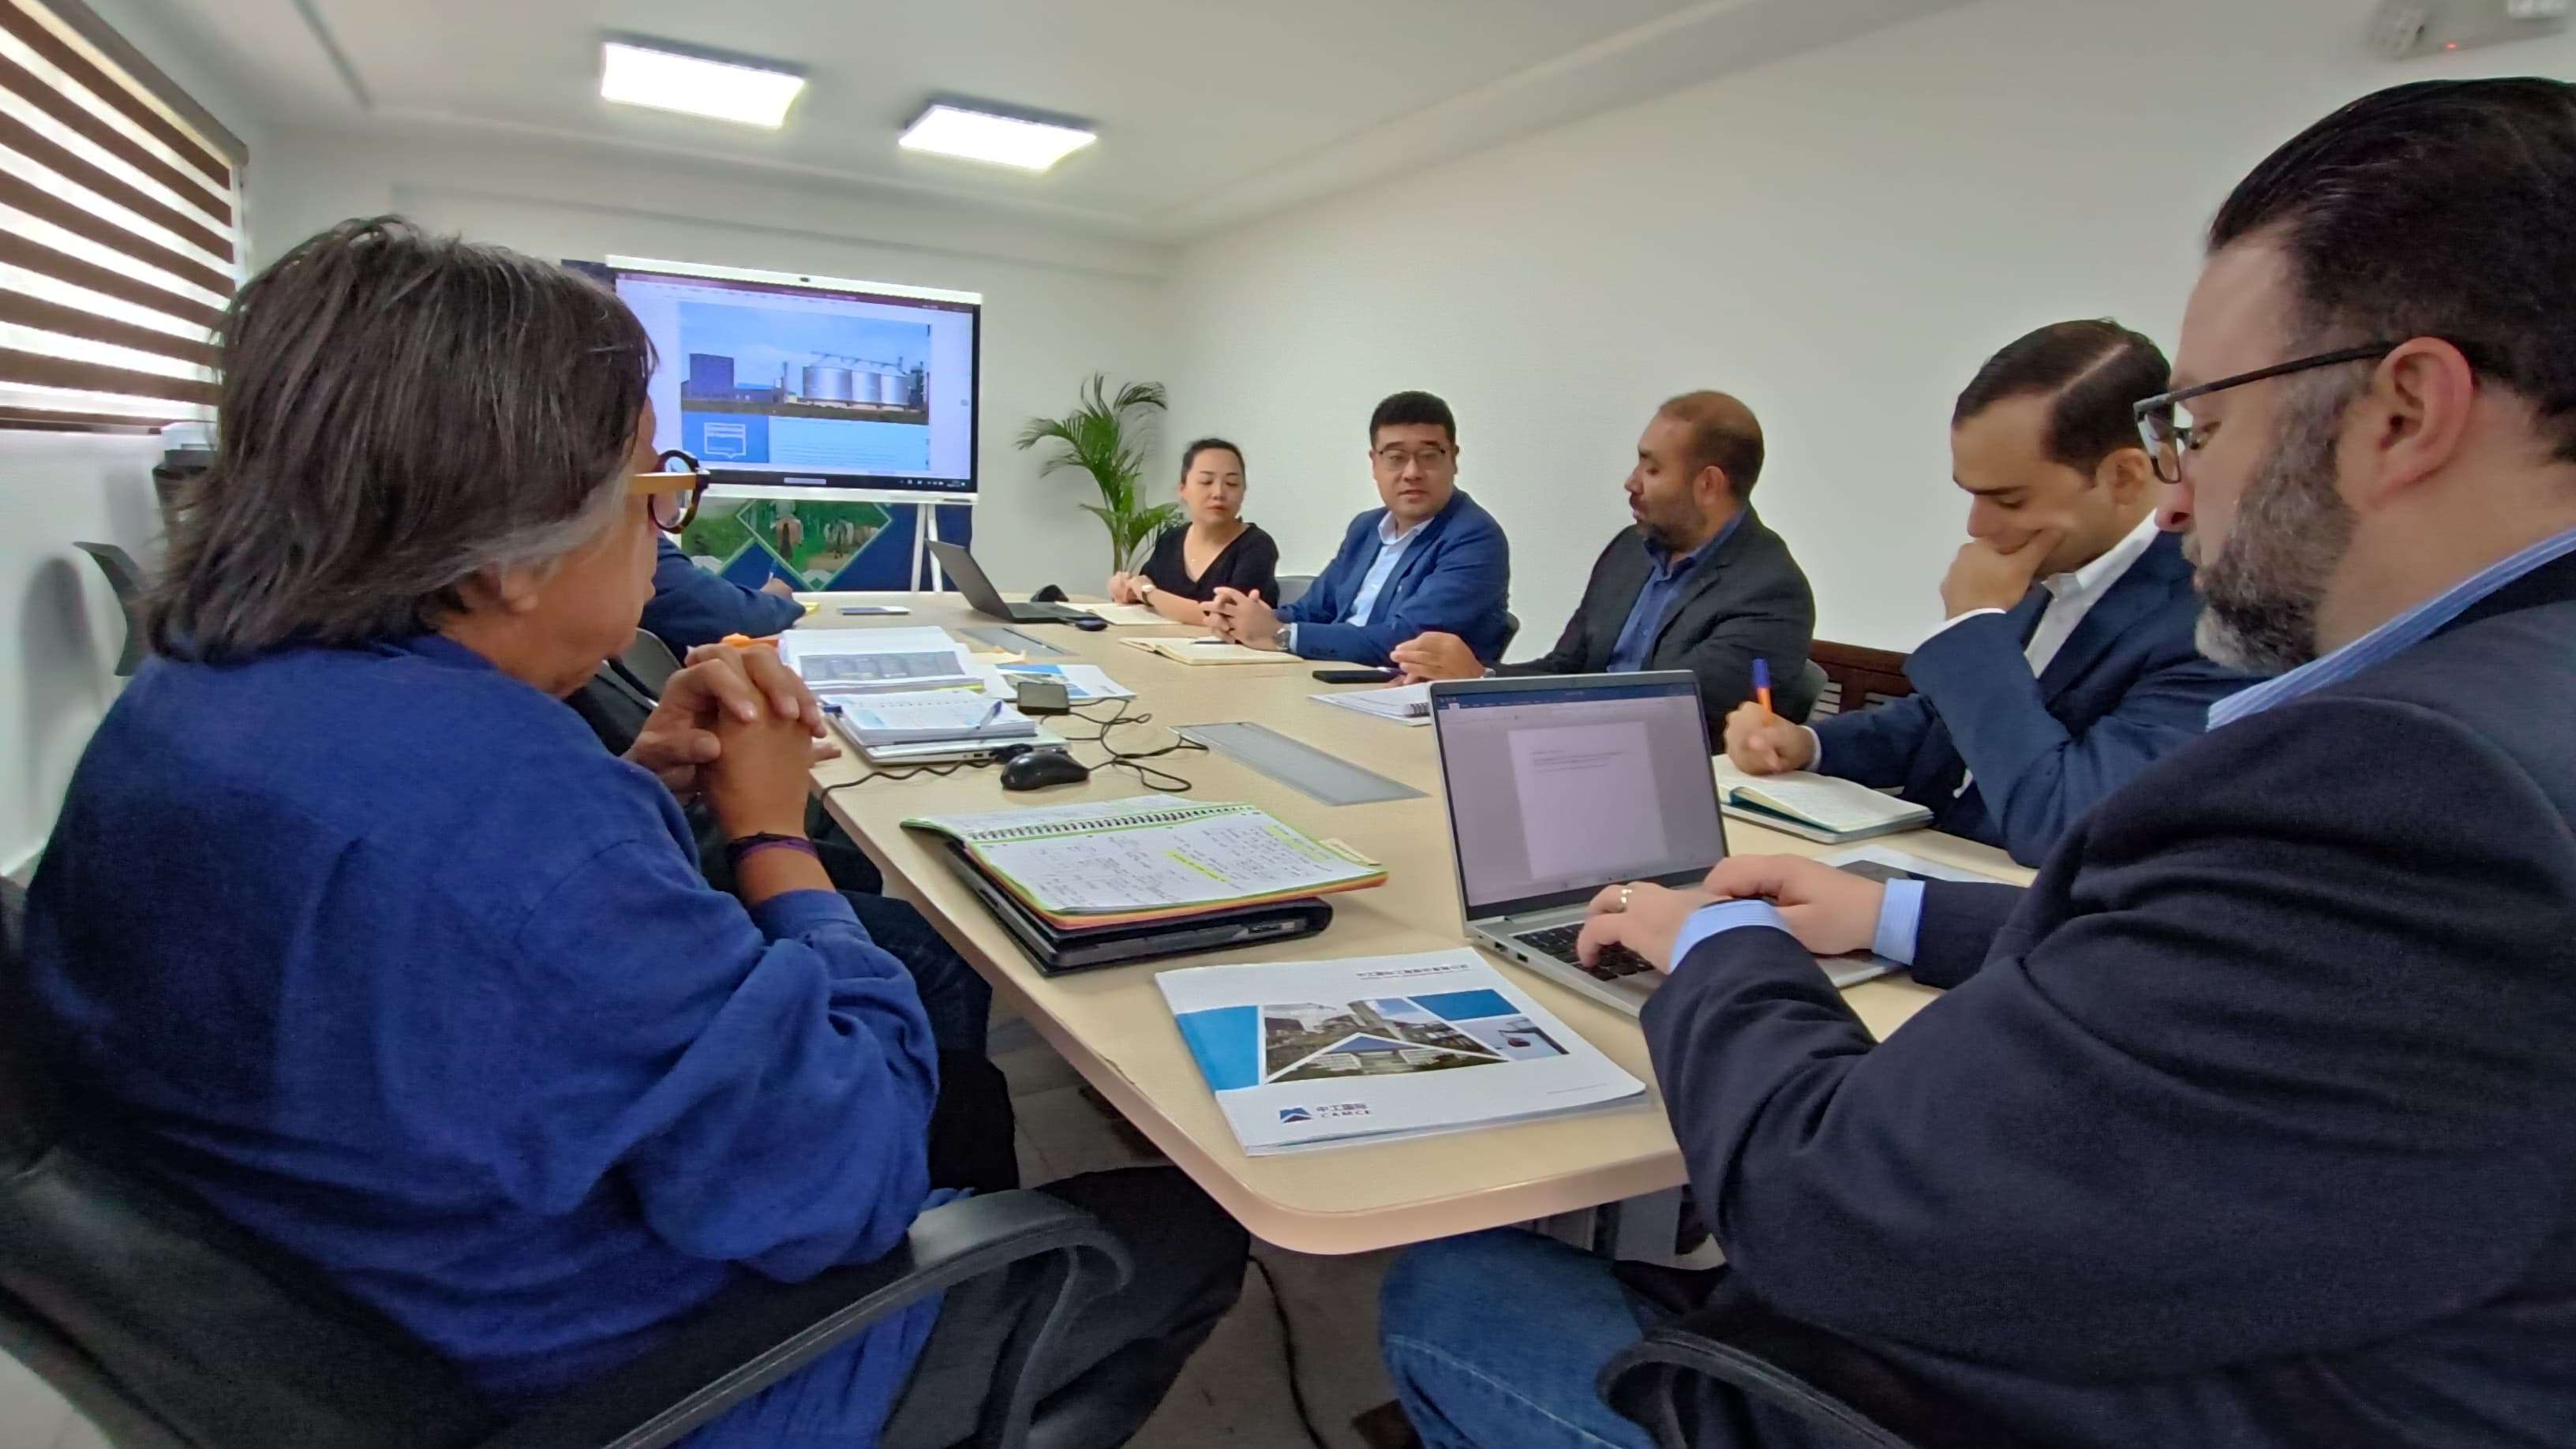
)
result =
(1320, 1053)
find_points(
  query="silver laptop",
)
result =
(1562, 784)
(980, 594)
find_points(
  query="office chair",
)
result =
(1706, 1366)
(1859, 677)
(650, 661)
(1293, 587)
(172, 1329)
(1511, 631)
(127, 580)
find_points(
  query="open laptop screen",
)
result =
(1559, 786)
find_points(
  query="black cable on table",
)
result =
(1152, 777)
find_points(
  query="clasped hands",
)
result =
(1830, 911)
(727, 697)
(1242, 618)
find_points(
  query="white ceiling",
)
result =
(1211, 112)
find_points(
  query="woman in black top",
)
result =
(1215, 549)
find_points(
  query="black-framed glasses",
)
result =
(674, 492)
(2168, 442)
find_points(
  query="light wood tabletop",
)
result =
(1111, 1024)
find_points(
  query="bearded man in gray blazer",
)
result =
(1696, 583)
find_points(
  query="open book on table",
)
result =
(1817, 807)
(1321, 1053)
(1209, 651)
(1155, 857)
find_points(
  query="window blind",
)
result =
(120, 229)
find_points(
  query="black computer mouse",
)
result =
(1051, 594)
(1040, 768)
(1091, 624)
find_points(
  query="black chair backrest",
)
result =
(126, 579)
(163, 1323)
(650, 662)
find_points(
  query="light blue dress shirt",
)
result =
(1900, 914)
(1391, 546)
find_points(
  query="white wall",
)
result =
(60, 629)
(1057, 305)
(1839, 238)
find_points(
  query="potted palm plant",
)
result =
(1107, 437)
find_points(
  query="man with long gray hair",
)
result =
(353, 931)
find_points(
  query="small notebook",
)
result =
(1817, 807)
(952, 714)
(1156, 857)
(1404, 703)
(1125, 614)
(1324, 1053)
(1209, 651)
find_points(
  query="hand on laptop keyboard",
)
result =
(1613, 962)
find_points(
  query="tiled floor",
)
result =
(1234, 1394)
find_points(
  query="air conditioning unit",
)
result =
(2405, 29)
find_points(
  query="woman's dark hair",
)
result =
(1412, 407)
(2096, 370)
(2438, 209)
(1190, 454)
(400, 411)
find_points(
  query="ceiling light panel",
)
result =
(988, 136)
(696, 84)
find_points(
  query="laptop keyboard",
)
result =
(1612, 964)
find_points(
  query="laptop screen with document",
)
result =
(1560, 785)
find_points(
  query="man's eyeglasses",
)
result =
(674, 492)
(2168, 440)
(1395, 458)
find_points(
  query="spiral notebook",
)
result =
(1155, 857)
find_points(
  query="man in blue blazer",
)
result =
(1429, 560)
(2252, 1122)
(2067, 666)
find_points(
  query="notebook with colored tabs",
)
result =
(1155, 857)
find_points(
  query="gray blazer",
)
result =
(1749, 600)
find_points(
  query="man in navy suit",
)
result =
(1430, 560)
(2067, 666)
(2253, 1121)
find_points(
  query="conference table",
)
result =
(1111, 1024)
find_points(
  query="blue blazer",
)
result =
(1455, 579)
(691, 607)
(2128, 688)
(2254, 1120)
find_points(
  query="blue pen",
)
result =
(1762, 683)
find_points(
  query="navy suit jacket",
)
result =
(1455, 578)
(2253, 1122)
(2128, 688)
